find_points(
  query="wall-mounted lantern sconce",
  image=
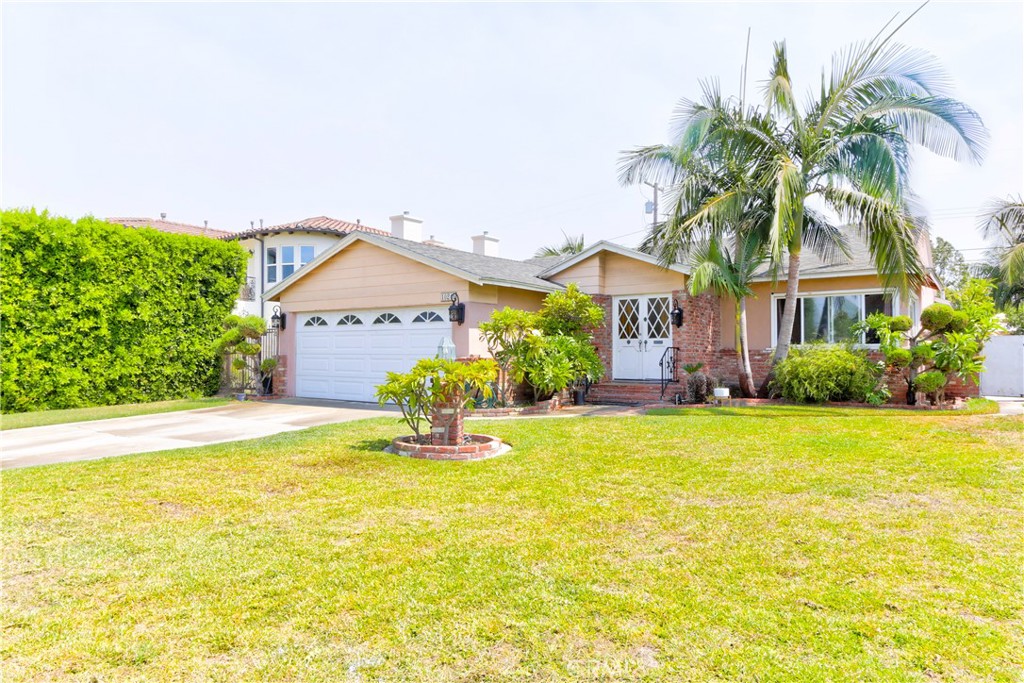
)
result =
(457, 311)
(677, 314)
(279, 319)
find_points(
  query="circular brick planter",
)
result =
(479, 446)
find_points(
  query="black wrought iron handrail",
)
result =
(668, 368)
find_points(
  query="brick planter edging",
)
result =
(754, 402)
(541, 408)
(481, 446)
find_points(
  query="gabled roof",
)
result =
(565, 263)
(170, 226)
(475, 268)
(323, 224)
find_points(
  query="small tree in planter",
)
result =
(551, 364)
(948, 344)
(435, 385)
(549, 350)
(504, 335)
(241, 339)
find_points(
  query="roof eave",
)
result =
(604, 245)
(351, 237)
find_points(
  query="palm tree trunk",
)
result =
(747, 387)
(788, 313)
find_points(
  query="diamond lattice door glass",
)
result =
(642, 333)
(658, 335)
(627, 346)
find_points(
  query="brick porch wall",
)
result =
(724, 368)
(699, 341)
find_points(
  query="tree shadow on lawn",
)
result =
(371, 445)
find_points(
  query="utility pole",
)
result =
(655, 202)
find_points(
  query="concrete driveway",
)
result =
(235, 421)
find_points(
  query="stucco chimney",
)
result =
(434, 243)
(485, 245)
(404, 226)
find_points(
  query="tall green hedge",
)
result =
(99, 314)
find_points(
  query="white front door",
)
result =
(641, 334)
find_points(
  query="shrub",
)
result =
(98, 314)
(901, 323)
(820, 373)
(950, 339)
(433, 381)
(550, 364)
(698, 387)
(936, 316)
(897, 357)
(931, 381)
(241, 338)
(549, 350)
(922, 353)
(571, 313)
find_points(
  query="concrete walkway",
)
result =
(145, 433)
(1009, 405)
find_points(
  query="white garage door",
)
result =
(344, 355)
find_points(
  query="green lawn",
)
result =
(53, 417)
(764, 544)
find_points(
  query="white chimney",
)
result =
(485, 245)
(405, 227)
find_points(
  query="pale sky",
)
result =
(502, 117)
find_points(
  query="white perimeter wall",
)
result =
(1004, 366)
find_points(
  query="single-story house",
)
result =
(375, 302)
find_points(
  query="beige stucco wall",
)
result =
(615, 275)
(482, 300)
(587, 274)
(365, 276)
(759, 312)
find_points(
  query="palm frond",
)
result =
(892, 235)
(571, 245)
(778, 91)
(1003, 219)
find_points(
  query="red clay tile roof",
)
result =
(314, 224)
(171, 226)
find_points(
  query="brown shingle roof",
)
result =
(314, 224)
(170, 226)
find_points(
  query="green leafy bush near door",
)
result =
(818, 373)
(98, 314)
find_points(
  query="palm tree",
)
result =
(571, 245)
(729, 273)
(842, 158)
(1003, 222)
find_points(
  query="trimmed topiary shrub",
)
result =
(98, 314)
(936, 316)
(901, 323)
(822, 372)
(897, 357)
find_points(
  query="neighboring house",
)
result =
(371, 303)
(275, 252)
(279, 251)
(164, 225)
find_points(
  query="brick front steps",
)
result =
(619, 392)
